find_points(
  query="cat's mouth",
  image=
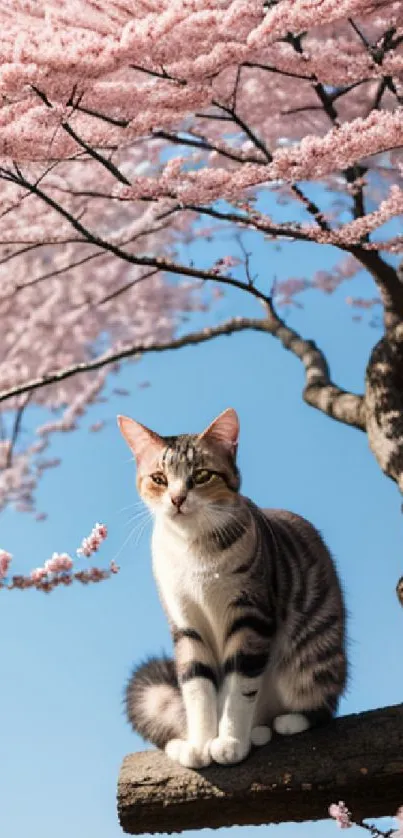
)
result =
(174, 512)
(178, 513)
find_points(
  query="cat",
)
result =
(253, 602)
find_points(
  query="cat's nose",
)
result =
(178, 499)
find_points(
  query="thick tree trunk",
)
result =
(384, 403)
(358, 759)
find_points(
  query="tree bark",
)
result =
(384, 403)
(358, 759)
(389, 282)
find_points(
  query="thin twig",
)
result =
(202, 143)
(16, 430)
(378, 53)
(107, 164)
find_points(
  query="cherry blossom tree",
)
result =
(130, 130)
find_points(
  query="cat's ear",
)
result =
(140, 439)
(224, 430)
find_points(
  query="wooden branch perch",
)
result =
(358, 759)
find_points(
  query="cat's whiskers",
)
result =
(140, 525)
(138, 515)
(140, 528)
(136, 503)
(137, 533)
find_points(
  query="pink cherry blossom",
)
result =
(92, 543)
(5, 560)
(59, 569)
(340, 813)
(38, 574)
(58, 563)
(344, 820)
(399, 817)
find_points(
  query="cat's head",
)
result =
(187, 475)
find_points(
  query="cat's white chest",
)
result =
(188, 585)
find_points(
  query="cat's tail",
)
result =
(154, 705)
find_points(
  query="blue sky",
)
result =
(65, 657)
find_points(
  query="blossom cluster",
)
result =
(5, 561)
(93, 541)
(341, 814)
(59, 569)
(343, 817)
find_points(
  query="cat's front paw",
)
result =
(188, 755)
(227, 750)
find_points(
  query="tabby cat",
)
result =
(252, 599)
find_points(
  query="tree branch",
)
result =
(319, 391)
(384, 403)
(160, 263)
(352, 173)
(378, 52)
(111, 120)
(107, 164)
(310, 205)
(201, 142)
(357, 758)
(252, 136)
(388, 282)
(16, 430)
(237, 324)
(270, 69)
(255, 221)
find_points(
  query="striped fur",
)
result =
(254, 604)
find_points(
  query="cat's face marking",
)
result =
(186, 476)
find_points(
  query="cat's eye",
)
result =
(159, 478)
(203, 476)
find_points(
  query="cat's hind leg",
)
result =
(306, 701)
(289, 723)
